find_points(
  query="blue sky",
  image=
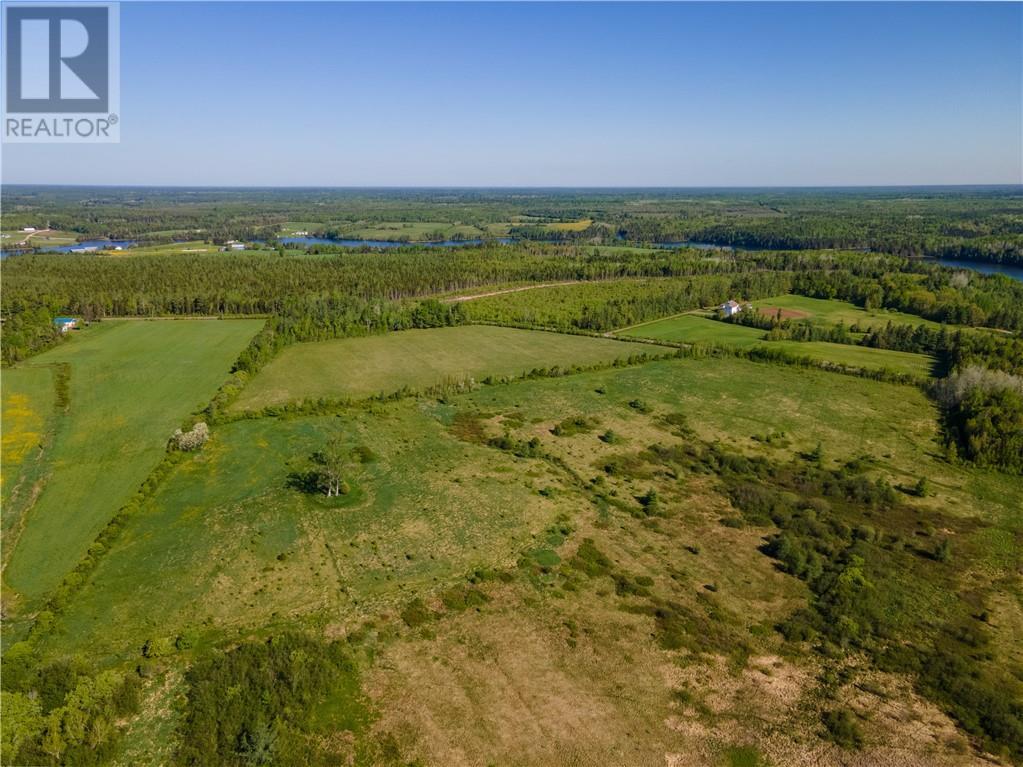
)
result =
(601, 94)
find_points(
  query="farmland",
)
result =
(831, 312)
(432, 503)
(691, 328)
(110, 438)
(695, 329)
(524, 503)
(356, 368)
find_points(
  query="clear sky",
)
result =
(608, 94)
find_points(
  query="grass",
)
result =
(411, 231)
(228, 550)
(28, 419)
(831, 312)
(13, 238)
(27, 405)
(363, 367)
(691, 328)
(131, 384)
(235, 546)
(571, 226)
(920, 365)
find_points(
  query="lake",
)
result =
(1009, 270)
(85, 246)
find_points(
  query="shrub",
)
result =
(416, 613)
(841, 728)
(194, 439)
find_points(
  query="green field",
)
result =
(692, 328)
(131, 383)
(12, 238)
(28, 417)
(410, 231)
(830, 312)
(920, 365)
(237, 548)
(363, 367)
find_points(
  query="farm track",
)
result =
(461, 299)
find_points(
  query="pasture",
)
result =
(434, 513)
(131, 384)
(692, 328)
(831, 312)
(571, 226)
(28, 416)
(920, 365)
(238, 547)
(382, 364)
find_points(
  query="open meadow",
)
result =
(128, 385)
(357, 368)
(695, 329)
(437, 510)
(828, 311)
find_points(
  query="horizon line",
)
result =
(621, 187)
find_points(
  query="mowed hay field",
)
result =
(363, 367)
(131, 383)
(694, 329)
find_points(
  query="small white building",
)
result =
(237, 246)
(29, 229)
(730, 308)
(64, 324)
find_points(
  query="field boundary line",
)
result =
(651, 322)
(463, 299)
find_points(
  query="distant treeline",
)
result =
(966, 223)
(40, 287)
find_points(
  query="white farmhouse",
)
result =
(730, 308)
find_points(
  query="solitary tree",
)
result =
(333, 464)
